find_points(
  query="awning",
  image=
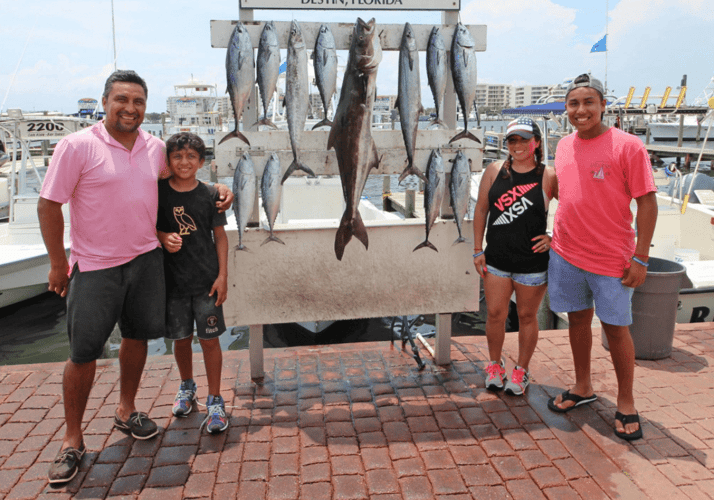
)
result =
(557, 108)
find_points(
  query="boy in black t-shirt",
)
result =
(195, 260)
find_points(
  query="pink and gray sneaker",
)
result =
(495, 375)
(520, 378)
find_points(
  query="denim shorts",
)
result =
(572, 289)
(132, 294)
(527, 279)
(182, 311)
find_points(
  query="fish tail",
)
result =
(323, 123)
(359, 230)
(233, 134)
(425, 243)
(272, 237)
(464, 134)
(297, 165)
(265, 121)
(241, 246)
(412, 170)
(458, 240)
(439, 123)
(343, 236)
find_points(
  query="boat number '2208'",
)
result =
(44, 126)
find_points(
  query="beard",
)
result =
(119, 126)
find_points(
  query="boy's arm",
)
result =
(170, 241)
(225, 198)
(220, 286)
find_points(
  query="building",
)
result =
(494, 97)
(530, 94)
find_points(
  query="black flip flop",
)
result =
(568, 396)
(628, 419)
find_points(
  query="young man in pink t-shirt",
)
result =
(595, 263)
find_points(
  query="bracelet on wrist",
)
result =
(642, 256)
(639, 261)
(479, 254)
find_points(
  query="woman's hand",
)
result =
(480, 265)
(541, 243)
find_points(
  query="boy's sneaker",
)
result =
(495, 374)
(184, 398)
(216, 420)
(66, 464)
(520, 379)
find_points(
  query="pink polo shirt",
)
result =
(597, 180)
(112, 195)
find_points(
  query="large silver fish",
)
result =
(268, 69)
(463, 71)
(409, 97)
(296, 96)
(436, 74)
(244, 192)
(434, 191)
(351, 134)
(240, 74)
(270, 192)
(460, 190)
(325, 62)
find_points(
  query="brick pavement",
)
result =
(359, 421)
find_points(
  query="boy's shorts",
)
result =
(132, 294)
(527, 279)
(181, 312)
(572, 289)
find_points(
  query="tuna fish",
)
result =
(325, 62)
(463, 71)
(434, 191)
(268, 69)
(296, 96)
(244, 192)
(351, 133)
(240, 74)
(460, 190)
(409, 97)
(436, 74)
(270, 191)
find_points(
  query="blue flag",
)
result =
(601, 46)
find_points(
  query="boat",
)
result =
(194, 108)
(694, 127)
(24, 263)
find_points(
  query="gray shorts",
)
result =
(133, 295)
(182, 311)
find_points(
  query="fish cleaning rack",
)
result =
(302, 280)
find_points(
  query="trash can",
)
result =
(654, 310)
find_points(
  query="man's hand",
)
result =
(225, 196)
(634, 275)
(59, 278)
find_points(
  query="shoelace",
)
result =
(213, 411)
(517, 376)
(185, 394)
(494, 369)
(66, 454)
(137, 418)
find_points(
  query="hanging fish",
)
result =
(325, 62)
(240, 74)
(271, 191)
(463, 71)
(268, 69)
(434, 191)
(244, 193)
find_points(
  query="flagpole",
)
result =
(607, 9)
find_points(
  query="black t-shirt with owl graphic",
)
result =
(193, 215)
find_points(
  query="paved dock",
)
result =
(674, 151)
(358, 421)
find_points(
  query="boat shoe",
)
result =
(66, 464)
(139, 425)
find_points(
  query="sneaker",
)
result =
(496, 373)
(520, 379)
(139, 425)
(216, 420)
(66, 464)
(184, 398)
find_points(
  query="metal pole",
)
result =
(114, 38)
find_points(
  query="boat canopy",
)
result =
(557, 108)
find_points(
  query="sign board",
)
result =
(352, 4)
(45, 128)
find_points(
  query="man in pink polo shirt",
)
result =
(595, 263)
(108, 174)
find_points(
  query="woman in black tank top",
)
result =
(514, 197)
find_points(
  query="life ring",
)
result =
(670, 170)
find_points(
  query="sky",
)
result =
(56, 52)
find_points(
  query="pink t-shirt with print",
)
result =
(597, 180)
(112, 195)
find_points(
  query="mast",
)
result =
(114, 39)
(607, 10)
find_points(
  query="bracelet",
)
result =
(642, 256)
(640, 262)
(477, 249)
(479, 254)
